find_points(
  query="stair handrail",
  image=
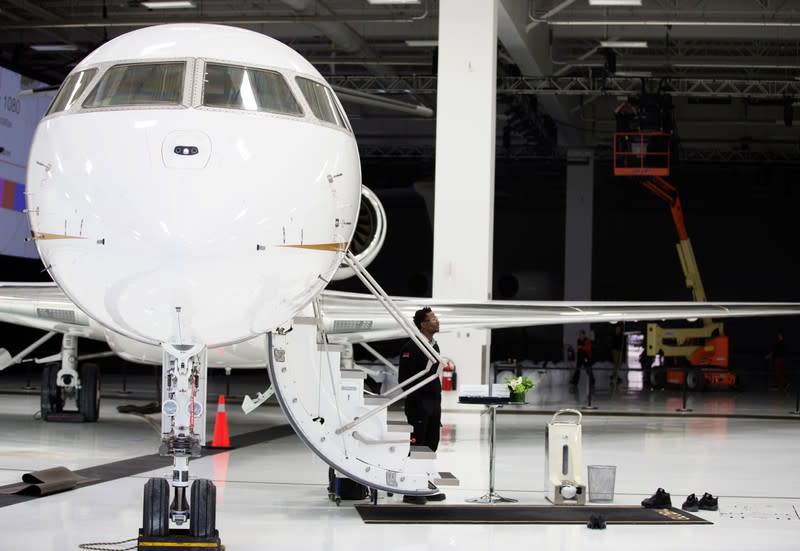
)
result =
(412, 331)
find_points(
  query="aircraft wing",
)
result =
(356, 317)
(44, 306)
(353, 317)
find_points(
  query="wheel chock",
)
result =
(179, 539)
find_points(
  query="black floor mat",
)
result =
(129, 467)
(521, 514)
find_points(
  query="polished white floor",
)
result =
(273, 496)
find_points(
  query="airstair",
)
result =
(348, 427)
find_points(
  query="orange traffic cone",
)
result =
(221, 439)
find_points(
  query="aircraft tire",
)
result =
(44, 392)
(203, 509)
(52, 397)
(155, 521)
(89, 394)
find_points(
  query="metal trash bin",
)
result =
(601, 482)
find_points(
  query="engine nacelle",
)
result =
(369, 235)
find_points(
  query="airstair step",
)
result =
(446, 479)
(398, 426)
(352, 374)
(375, 400)
(421, 452)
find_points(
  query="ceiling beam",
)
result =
(581, 86)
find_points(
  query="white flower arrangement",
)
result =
(519, 385)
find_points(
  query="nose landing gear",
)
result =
(182, 435)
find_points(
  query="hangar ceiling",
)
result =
(731, 67)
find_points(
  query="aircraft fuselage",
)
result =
(188, 190)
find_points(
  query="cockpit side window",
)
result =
(71, 90)
(322, 101)
(248, 89)
(139, 84)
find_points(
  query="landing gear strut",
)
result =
(67, 385)
(183, 429)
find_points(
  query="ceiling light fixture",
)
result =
(634, 74)
(615, 2)
(422, 43)
(623, 44)
(168, 5)
(54, 47)
(384, 2)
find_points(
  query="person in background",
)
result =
(584, 359)
(776, 355)
(617, 347)
(423, 407)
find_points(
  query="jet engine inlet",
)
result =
(369, 235)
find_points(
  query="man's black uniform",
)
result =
(424, 406)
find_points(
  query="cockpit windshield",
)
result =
(322, 102)
(139, 84)
(71, 90)
(248, 89)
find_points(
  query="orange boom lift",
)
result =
(696, 356)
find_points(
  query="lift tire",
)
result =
(156, 508)
(658, 377)
(695, 380)
(52, 397)
(203, 509)
(89, 393)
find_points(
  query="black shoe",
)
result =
(436, 497)
(415, 500)
(708, 502)
(658, 500)
(691, 504)
(597, 522)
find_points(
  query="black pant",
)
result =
(424, 414)
(576, 375)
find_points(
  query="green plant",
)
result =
(519, 385)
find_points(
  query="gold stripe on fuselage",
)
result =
(332, 247)
(41, 236)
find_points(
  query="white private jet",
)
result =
(192, 190)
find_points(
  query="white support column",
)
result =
(465, 151)
(578, 233)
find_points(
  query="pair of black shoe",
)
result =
(706, 503)
(661, 499)
(422, 500)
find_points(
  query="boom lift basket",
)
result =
(641, 153)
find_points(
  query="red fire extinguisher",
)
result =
(449, 376)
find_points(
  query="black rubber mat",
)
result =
(46, 482)
(521, 514)
(144, 463)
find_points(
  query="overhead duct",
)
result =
(374, 100)
(342, 35)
